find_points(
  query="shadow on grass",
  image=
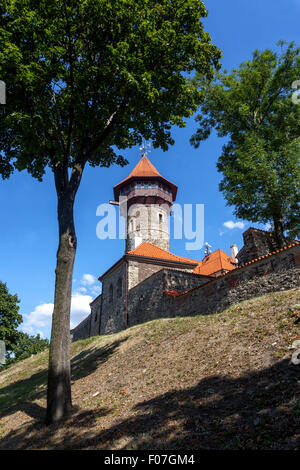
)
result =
(86, 362)
(19, 395)
(260, 410)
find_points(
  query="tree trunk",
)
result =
(59, 400)
(278, 229)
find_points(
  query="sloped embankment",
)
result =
(215, 382)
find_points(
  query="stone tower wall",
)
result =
(148, 223)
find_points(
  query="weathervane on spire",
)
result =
(207, 250)
(145, 148)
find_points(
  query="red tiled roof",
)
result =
(152, 251)
(216, 261)
(174, 293)
(145, 169)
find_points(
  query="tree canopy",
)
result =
(92, 77)
(10, 318)
(18, 344)
(9, 61)
(252, 106)
(27, 345)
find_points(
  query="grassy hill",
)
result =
(222, 381)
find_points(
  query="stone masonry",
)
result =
(169, 293)
(279, 271)
(257, 243)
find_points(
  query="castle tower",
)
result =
(149, 197)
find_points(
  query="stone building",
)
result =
(144, 282)
(257, 243)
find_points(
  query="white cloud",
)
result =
(82, 289)
(89, 285)
(41, 317)
(230, 224)
(88, 280)
(80, 308)
(32, 331)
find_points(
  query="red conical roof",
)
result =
(144, 170)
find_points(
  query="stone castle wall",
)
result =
(82, 330)
(90, 326)
(163, 294)
(95, 316)
(280, 271)
(113, 299)
(257, 243)
(139, 271)
(149, 292)
(109, 316)
(149, 300)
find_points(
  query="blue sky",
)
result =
(28, 235)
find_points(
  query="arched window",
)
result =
(111, 293)
(119, 287)
(160, 218)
